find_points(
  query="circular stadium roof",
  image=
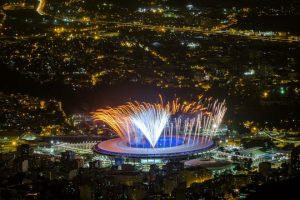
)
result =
(118, 147)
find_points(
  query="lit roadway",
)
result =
(42, 3)
(40, 7)
(280, 139)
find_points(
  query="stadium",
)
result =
(151, 133)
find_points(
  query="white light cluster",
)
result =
(151, 123)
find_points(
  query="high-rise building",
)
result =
(295, 161)
(68, 160)
(67, 156)
(21, 165)
(95, 164)
(265, 168)
(24, 151)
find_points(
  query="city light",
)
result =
(81, 118)
(282, 90)
(265, 94)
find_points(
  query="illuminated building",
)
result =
(295, 161)
(217, 167)
(155, 133)
(24, 151)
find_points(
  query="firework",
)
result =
(141, 123)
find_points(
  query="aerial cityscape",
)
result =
(149, 99)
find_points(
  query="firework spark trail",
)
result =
(135, 121)
(171, 132)
(151, 128)
(177, 127)
(196, 128)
